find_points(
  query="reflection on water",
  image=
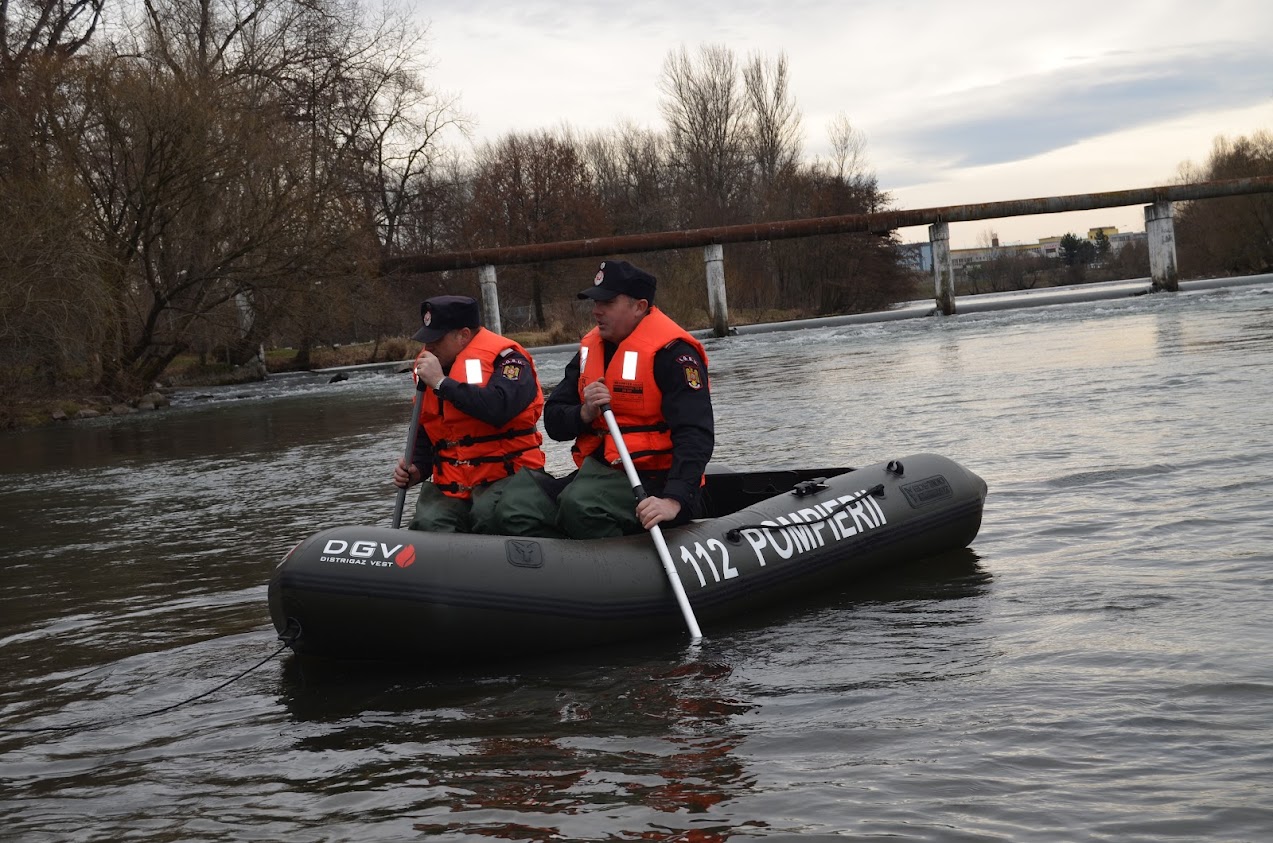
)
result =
(537, 752)
(221, 429)
(539, 745)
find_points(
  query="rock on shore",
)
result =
(150, 401)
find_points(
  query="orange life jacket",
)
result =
(635, 398)
(469, 453)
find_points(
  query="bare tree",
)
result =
(37, 39)
(533, 188)
(374, 131)
(1233, 235)
(51, 312)
(704, 108)
(774, 136)
(370, 115)
(848, 150)
(182, 167)
(629, 169)
(432, 218)
(240, 160)
(844, 272)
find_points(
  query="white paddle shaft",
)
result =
(664, 555)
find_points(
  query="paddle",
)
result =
(412, 429)
(659, 543)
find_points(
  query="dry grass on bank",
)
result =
(34, 408)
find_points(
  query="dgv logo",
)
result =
(370, 553)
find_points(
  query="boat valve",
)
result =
(894, 467)
(808, 487)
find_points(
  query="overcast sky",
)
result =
(959, 101)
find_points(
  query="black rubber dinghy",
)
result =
(378, 594)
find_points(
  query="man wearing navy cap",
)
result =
(653, 374)
(477, 419)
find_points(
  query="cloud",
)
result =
(981, 100)
(1035, 114)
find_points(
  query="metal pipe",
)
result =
(878, 223)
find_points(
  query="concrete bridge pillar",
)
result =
(1160, 231)
(490, 298)
(943, 269)
(717, 308)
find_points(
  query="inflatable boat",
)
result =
(378, 594)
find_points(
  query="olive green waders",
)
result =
(597, 504)
(436, 512)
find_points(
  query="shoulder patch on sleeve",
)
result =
(692, 369)
(511, 366)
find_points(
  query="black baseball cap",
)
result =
(615, 277)
(442, 314)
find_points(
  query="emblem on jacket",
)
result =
(693, 375)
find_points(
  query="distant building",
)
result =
(1050, 247)
(920, 255)
(1118, 240)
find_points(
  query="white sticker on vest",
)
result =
(473, 370)
(629, 365)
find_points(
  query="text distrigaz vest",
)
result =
(467, 452)
(635, 399)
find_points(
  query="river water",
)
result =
(1097, 666)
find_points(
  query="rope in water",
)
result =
(288, 637)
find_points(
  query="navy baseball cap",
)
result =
(615, 277)
(442, 314)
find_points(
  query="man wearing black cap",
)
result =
(653, 374)
(477, 419)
